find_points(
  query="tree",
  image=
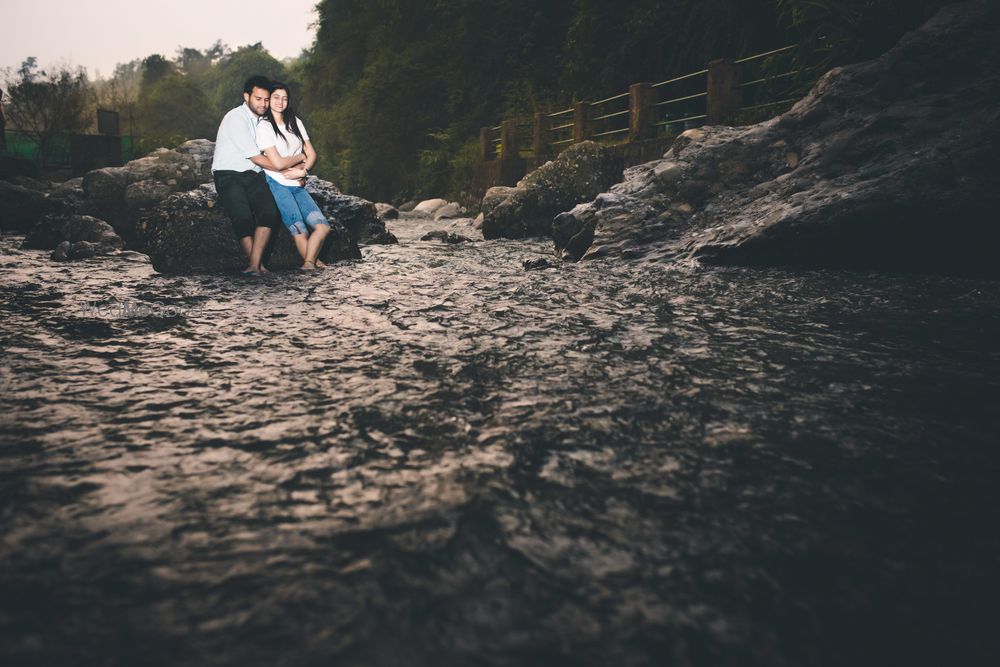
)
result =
(173, 111)
(154, 68)
(45, 104)
(224, 83)
(121, 92)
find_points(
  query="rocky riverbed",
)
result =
(433, 456)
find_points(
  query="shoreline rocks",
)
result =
(884, 164)
(576, 175)
(72, 236)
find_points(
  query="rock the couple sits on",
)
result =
(262, 157)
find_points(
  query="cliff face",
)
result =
(891, 163)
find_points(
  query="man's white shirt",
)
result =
(236, 142)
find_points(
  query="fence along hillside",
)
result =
(640, 124)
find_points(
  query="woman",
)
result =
(282, 137)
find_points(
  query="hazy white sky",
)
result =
(97, 34)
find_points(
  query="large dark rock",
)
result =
(189, 233)
(68, 197)
(576, 176)
(386, 211)
(202, 151)
(354, 213)
(892, 163)
(72, 236)
(20, 207)
(121, 194)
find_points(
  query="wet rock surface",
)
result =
(576, 175)
(20, 207)
(887, 163)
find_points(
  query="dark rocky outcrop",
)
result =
(357, 215)
(891, 163)
(68, 197)
(202, 151)
(20, 207)
(494, 197)
(576, 176)
(121, 194)
(189, 233)
(72, 236)
(387, 211)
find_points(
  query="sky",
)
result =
(98, 34)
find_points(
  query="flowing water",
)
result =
(436, 457)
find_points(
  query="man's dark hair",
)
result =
(256, 81)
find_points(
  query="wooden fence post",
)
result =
(582, 128)
(723, 90)
(508, 139)
(542, 135)
(486, 152)
(640, 117)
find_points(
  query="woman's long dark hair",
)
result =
(288, 115)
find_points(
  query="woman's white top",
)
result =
(287, 145)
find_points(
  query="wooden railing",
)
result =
(726, 91)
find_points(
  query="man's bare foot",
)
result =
(307, 266)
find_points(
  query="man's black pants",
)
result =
(247, 200)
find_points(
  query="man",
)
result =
(236, 169)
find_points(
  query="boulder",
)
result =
(189, 233)
(884, 164)
(386, 211)
(54, 229)
(429, 206)
(68, 197)
(20, 207)
(68, 251)
(449, 210)
(407, 207)
(357, 215)
(202, 151)
(577, 175)
(120, 194)
(32, 183)
(442, 235)
(494, 197)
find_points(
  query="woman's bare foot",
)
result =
(263, 269)
(320, 264)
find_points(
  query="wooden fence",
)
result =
(639, 125)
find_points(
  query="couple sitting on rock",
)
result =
(264, 133)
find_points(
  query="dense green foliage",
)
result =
(396, 90)
(185, 98)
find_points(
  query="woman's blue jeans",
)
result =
(297, 208)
